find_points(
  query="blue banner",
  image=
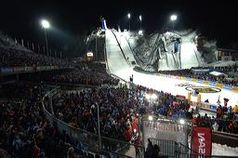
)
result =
(200, 81)
(19, 69)
(6, 69)
(229, 87)
(212, 83)
(188, 78)
(213, 107)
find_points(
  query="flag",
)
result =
(226, 101)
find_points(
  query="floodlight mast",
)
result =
(46, 25)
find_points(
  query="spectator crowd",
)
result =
(26, 133)
(228, 76)
(15, 57)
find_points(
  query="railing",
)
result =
(169, 149)
(110, 146)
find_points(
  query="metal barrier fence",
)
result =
(110, 146)
(167, 147)
(172, 149)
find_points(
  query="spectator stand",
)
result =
(110, 145)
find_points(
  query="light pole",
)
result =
(129, 17)
(45, 25)
(173, 18)
(99, 130)
(140, 18)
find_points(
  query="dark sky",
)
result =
(70, 19)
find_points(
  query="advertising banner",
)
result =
(226, 86)
(235, 89)
(212, 83)
(188, 78)
(206, 82)
(201, 142)
(28, 68)
(183, 78)
(200, 81)
(213, 107)
(6, 69)
(19, 69)
(219, 85)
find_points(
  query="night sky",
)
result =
(72, 20)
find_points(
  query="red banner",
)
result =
(201, 141)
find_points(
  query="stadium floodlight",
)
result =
(173, 18)
(140, 32)
(150, 118)
(140, 17)
(46, 25)
(129, 17)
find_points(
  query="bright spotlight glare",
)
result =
(89, 54)
(129, 15)
(147, 96)
(140, 32)
(134, 130)
(182, 121)
(150, 118)
(173, 17)
(140, 18)
(45, 24)
(154, 96)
